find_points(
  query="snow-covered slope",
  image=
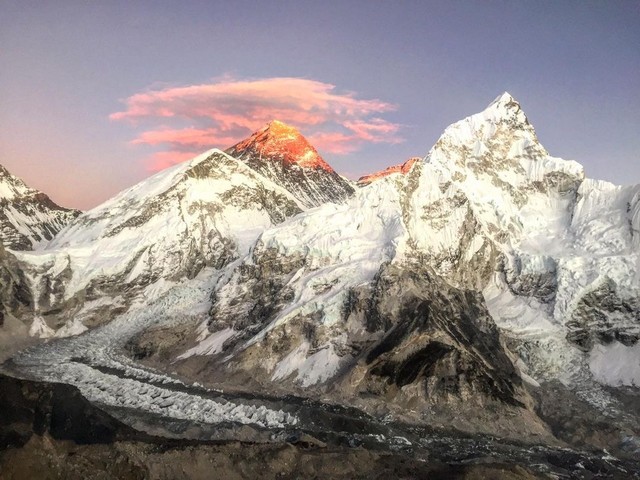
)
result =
(488, 211)
(205, 212)
(28, 218)
(280, 153)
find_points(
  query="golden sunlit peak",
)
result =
(277, 127)
(277, 140)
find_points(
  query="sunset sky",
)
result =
(95, 96)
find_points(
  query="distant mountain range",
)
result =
(28, 218)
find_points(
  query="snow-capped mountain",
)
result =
(203, 213)
(380, 288)
(456, 290)
(402, 168)
(28, 218)
(280, 153)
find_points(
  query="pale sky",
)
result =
(96, 95)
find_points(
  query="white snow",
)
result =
(71, 328)
(319, 367)
(310, 369)
(616, 364)
(292, 362)
(516, 314)
(211, 345)
(40, 329)
(161, 229)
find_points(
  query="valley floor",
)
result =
(45, 458)
(50, 430)
(84, 406)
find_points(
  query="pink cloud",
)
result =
(375, 130)
(337, 143)
(186, 137)
(220, 113)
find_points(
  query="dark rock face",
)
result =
(59, 410)
(15, 294)
(541, 285)
(439, 336)
(603, 316)
(264, 292)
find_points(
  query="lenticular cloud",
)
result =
(185, 120)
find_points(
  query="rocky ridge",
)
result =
(402, 168)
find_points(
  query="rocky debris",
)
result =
(583, 426)
(51, 431)
(37, 408)
(48, 459)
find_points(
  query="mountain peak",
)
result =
(502, 118)
(506, 97)
(279, 141)
(276, 127)
(505, 105)
(28, 217)
(280, 152)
